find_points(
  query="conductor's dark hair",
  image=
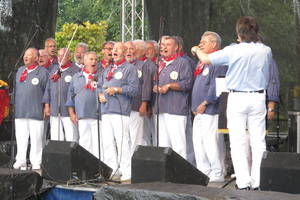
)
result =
(247, 29)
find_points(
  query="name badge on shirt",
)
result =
(174, 75)
(139, 73)
(68, 78)
(205, 72)
(118, 75)
(35, 81)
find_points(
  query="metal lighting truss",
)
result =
(133, 16)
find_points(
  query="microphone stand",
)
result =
(277, 125)
(100, 176)
(95, 79)
(13, 75)
(161, 28)
(59, 72)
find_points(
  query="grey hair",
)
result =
(84, 45)
(214, 37)
(142, 44)
(88, 53)
(155, 44)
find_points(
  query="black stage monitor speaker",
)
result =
(280, 171)
(162, 164)
(19, 184)
(63, 161)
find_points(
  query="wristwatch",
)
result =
(116, 90)
(270, 109)
(168, 85)
(205, 104)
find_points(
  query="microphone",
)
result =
(37, 26)
(79, 22)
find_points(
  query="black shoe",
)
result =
(257, 188)
(245, 188)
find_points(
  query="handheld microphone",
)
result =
(79, 22)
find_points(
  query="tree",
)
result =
(93, 35)
(92, 11)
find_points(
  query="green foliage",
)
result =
(93, 35)
(92, 11)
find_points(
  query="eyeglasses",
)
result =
(203, 43)
(109, 49)
(51, 46)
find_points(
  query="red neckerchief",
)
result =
(154, 59)
(163, 63)
(56, 75)
(80, 66)
(143, 58)
(132, 61)
(199, 67)
(48, 64)
(181, 54)
(25, 72)
(52, 60)
(105, 64)
(90, 80)
(111, 72)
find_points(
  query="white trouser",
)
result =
(66, 126)
(205, 138)
(246, 109)
(189, 140)
(115, 134)
(136, 129)
(32, 128)
(88, 136)
(222, 152)
(172, 132)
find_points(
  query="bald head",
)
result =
(131, 51)
(31, 56)
(61, 54)
(119, 51)
(43, 59)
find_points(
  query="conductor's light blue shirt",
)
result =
(248, 65)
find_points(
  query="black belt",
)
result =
(259, 91)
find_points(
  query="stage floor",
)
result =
(160, 190)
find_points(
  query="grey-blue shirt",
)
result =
(29, 94)
(145, 85)
(175, 102)
(51, 93)
(125, 76)
(274, 82)
(85, 101)
(205, 88)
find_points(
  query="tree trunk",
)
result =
(188, 19)
(19, 21)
